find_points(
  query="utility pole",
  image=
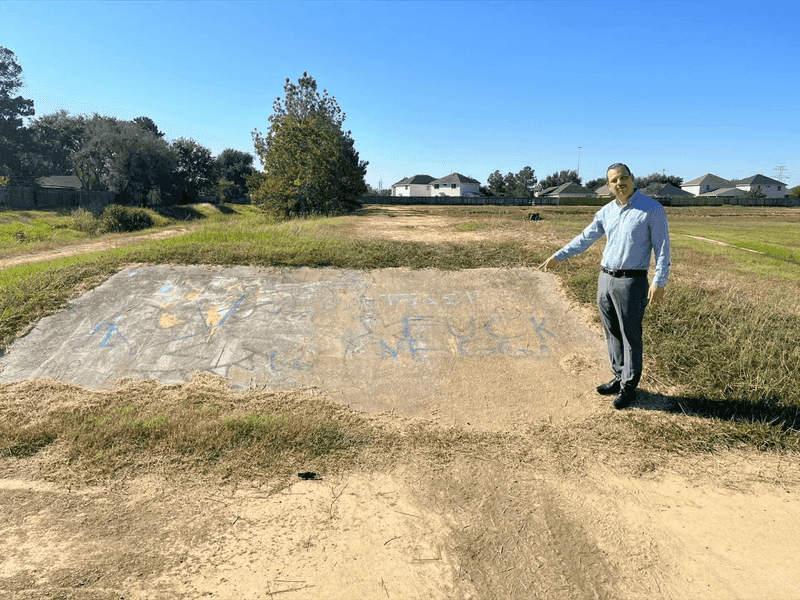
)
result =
(579, 161)
(780, 169)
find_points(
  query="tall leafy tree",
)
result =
(55, 138)
(497, 184)
(194, 172)
(310, 163)
(149, 125)
(521, 184)
(14, 137)
(123, 157)
(648, 180)
(234, 166)
(560, 178)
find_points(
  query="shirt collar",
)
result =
(630, 201)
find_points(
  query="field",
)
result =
(561, 511)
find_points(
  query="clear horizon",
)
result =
(688, 88)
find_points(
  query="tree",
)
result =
(754, 193)
(521, 184)
(497, 184)
(149, 125)
(311, 165)
(560, 178)
(233, 166)
(55, 138)
(595, 183)
(122, 156)
(795, 191)
(648, 180)
(194, 172)
(14, 137)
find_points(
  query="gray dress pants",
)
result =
(622, 301)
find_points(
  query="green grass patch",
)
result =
(201, 423)
(472, 226)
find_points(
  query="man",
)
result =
(636, 227)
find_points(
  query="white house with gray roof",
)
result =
(706, 183)
(454, 184)
(418, 185)
(771, 187)
(710, 184)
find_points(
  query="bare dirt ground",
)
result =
(578, 517)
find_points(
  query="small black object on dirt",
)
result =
(534, 217)
(308, 475)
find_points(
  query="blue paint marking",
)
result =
(272, 360)
(225, 318)
(539, 327)
(112, 329)
(417, 344)
(385, 348)
(165, 290)
(503, 341)
(231, 311)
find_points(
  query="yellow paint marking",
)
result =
(168, 321)
(213, 316)
(192, 296)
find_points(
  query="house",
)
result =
(455, 184)
(706, 183)
(771, 187)
(603, 192)
(665, 190)
(418, 185)
(567, 190)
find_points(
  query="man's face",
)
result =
(620, 182)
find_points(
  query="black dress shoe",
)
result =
(612, 387)
(624, 398)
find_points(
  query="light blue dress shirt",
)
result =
(635, 231)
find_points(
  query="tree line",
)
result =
(525, 184)
(131, 158)
(310, 162)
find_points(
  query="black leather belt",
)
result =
(625, 272)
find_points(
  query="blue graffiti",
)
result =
(112, 329)
(470, 341)
(540, 330)
(223, 319)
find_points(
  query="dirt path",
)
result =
(89, 247)
(722, 527)
(570, 522)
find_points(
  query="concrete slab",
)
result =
(412, 342)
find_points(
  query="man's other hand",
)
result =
(550, 263)
(655, 294)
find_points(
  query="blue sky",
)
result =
(436, 87)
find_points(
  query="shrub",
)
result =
(83, 220)
(117, 219)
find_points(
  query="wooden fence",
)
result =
(791, 201)
(32, 198)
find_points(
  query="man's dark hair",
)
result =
(619, 166)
